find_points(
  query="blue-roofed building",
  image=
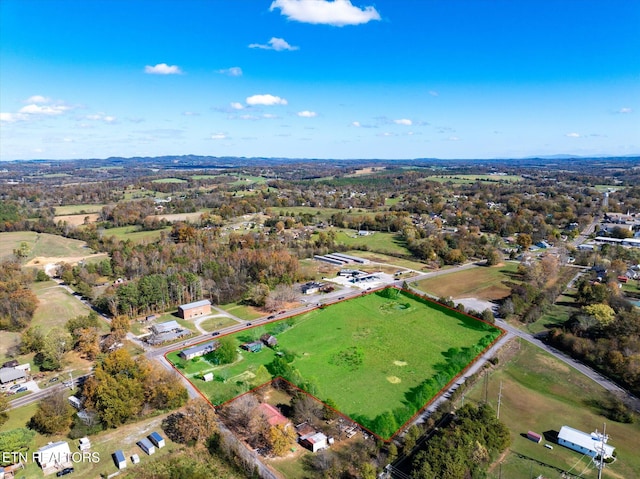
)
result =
(156, 439)
(119, 459)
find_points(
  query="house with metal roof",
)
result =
(197, 308)
(199, 350)
(8, 375)
(593, 444)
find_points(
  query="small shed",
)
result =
(84, 444)
(156, 439)
(269, 340)
(534, 436)
(146, 446)
(119, 459)
(253, 347)
(207, 377)
(135, 459)
(75, 402)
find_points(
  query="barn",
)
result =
(195, 309)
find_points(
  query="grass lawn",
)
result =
(486, 283)
(242, 311)
(169, 180)
(134, 233)
(382, 334)
(541, 394)
(42, 244)
(383, 258)
(378, 241)
(558, 313)
(212, 324)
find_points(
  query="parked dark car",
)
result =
(21, 390)
(215, 333)
(65, 471)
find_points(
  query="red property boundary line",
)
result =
(413, 294)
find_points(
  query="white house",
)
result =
(590, 444)
(53, 455)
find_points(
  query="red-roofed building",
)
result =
(272, 415)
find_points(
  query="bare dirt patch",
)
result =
(400, 363)
(394, 379)
(43, 261)
(77, 220)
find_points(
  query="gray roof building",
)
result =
(11, 374)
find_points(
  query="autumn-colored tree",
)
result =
(603, 313)
(194, 424)
(54, 415)
(281, 438)
(524, 241)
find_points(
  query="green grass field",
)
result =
(540, 393)
(349, 349)
(169, 180)
(242, 311)
(134, 233)
(379, 241)
(42, 244)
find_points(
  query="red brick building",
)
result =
(193, 310)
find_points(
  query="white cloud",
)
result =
(307, 114)
(163, 69)
(266, 100)
(38, 99)
(454, 138)
(236, 105)
(337, 13)
(102, 117)
(573, 135)
(356, 124)
(190, 113)
(218, 136)
(403, 121)
(47, 110)
(232, 72)
(625, 110)
(270, 116)
(277, 44)
(11, 117)
(433, 93)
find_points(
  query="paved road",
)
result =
(36, 396)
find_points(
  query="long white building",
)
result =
(590, 444)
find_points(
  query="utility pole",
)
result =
(486, 386)
(499, 400)
(603, 441)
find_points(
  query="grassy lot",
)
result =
(212, 324)
(193, 217)
(242, 311)
(467, 179)
(378, 241)
(383, 258)
(382, 331)
(169, 180)
(486, 283)
(542, 394)
(56, 307)
(77, 220)
(134, 233)
(78, 209)
(558, 313)
(42, 244)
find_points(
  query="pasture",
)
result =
(469, 179)
(43, 245)
(134, 233)
(78, 209)
(542, 394)
(392, 346)
(488, 283)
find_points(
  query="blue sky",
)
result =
(319, 79)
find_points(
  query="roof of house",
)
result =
(305, 430)
(317, 438)
(592, 442)
(195, 304)
(166, 327)
(55, 446)
(11, 374)
(210, 346)
(272, 414)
